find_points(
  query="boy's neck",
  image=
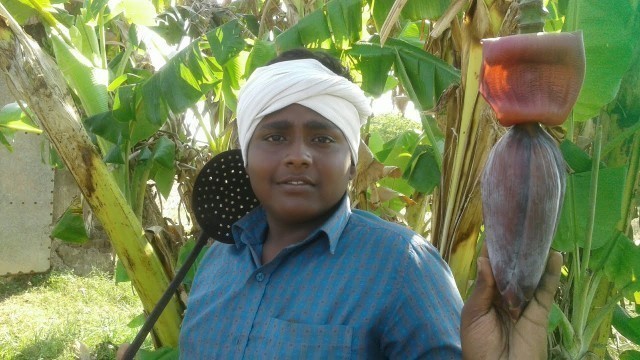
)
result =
(282, 233)
(280, 236)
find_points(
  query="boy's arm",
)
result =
(425, 318)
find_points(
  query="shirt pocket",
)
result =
(287, 340)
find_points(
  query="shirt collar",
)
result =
(251, 229)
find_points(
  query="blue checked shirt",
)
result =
(357, 288)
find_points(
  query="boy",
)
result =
(309, 278)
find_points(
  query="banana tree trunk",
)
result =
(34, 77)
(470, 134)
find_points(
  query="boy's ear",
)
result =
(352, 171)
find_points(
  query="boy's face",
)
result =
(299, 164)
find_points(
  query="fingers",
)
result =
(550, 280)
(540, 305)
(481, 300)
(121, 350)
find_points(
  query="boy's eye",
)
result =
(324, 139)
(274, 138)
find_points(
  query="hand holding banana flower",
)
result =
(529, 80)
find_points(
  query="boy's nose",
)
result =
(298, 154)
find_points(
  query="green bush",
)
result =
(390, 125)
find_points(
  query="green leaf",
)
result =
(404, 143)
(555, 317)
(177, 86)
(164, 152)
(13, 118)
(345, 20)
(374, 63)
(252, 24)
(261, 54)
(123, 104)
(312, 31)
(159, 354)
(376, 143)
(621, 262)
(137, 321)
(115, 155)
(70, 228)
(231, 83)
(412, 10)
(151, 107)
(627, 326)
(226, 41)
(117, 82)
(578, 160)
(21, 10)
(424, 76)
(121, 273)
(54, 159)
(6, 139)
(141, 12)
(423, 173)
(106, 126)
(87, 81)
(554, 21)
(379, 10)
(630, 355)
(142, 128)
(164, 178)
(183, 254)
(139, 178)
(412, 34)
(575, 210)
(95, 7)
(610, 34)
(84, 38)
(420, 9)
(397, 152)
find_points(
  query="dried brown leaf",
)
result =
(390, 21)
(445, 20)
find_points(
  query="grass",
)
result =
(63, 316)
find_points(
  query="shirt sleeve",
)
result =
(425, 321)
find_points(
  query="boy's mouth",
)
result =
(296, 181)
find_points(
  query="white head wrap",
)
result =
(308, 83)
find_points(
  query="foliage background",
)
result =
(136, 70)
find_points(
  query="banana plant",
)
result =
(597, 209)
(428, 49)
(45, 91)
(457, 223)
(13, 119)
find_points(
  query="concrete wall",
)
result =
(26, 196)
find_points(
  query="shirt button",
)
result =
(259, 277)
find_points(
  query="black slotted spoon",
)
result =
(222, 195)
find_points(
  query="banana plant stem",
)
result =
(615, 143)
(595, 171)
(432, 139)
(570, 128)
(596, 320)
(207, 134)
(632, 179)
(103, 45)
(470, 101)
(581, 301)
